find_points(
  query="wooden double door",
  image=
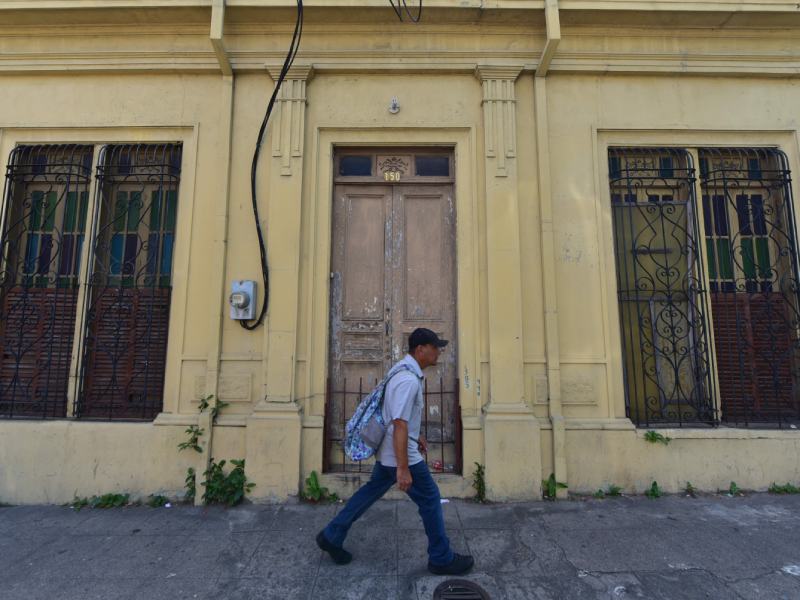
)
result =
(393, 270)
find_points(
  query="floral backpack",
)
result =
(368, 415)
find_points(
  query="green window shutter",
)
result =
(748, 260)
(762, 253)
(724, 259)
(172, 209)
(83, 210)
(134, 210)
(37, 199)
(70, 211)
(712, 261)
(155, 211)
(120, 211)
(51, 205)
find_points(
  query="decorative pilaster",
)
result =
(289, 116)
(499, 115)
(507, 416)
(274, 430)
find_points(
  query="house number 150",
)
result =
(391, 176)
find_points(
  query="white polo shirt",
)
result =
(403, 400)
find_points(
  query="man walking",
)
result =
(400, 460)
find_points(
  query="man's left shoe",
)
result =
(461, 564)
(339, 555)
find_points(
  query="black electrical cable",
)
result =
(290, 56)
(403, 6)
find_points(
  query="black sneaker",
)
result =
(461, 564)
(339, 555)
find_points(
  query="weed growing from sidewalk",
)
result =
(656, 438)
(550, 487)
(104, 501)
(611, 491)
(788, 488)
(314, 492)
(654, 491)
(190, 485)
(734, 490)
(479, 482)
(689, 490)
(156, 501)
(222, 488)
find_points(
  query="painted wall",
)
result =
(466, 79)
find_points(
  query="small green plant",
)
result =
(104, 501)
(689, 490)
(599, 494)
(788, 488)
(314, 492)
(734, 490)
(656, 438)
(190, 484)
(614, 490)
(228, 489)
(79, 503)
(110, 500)
(654, 491)
(156, 501)
(479, 482)
(550, 487)
(215, 410)
(194, 437)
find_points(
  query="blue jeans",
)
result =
(424, 492)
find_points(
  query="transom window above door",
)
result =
(398, 166)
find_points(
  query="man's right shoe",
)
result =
(460, 565)
(339, 555)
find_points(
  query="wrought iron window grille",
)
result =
(46, 196)
(707, 291)
(121, 325)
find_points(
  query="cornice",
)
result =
(299, 72)
(564, 62)
(510, 72)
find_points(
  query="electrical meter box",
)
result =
(243, 300)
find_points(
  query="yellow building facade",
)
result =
(615, 177)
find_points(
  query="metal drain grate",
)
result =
(459, 589)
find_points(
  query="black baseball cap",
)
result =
(422, 336)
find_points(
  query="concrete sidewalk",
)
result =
(673, 547)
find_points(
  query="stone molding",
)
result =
(499, 114)
(288, 121)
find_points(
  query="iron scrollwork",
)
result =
(753, 271)
(43, 228)
(662, 299)
(130, 284)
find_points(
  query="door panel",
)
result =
(423, 295)
(392, 270)
(358, 290)
(423, 270)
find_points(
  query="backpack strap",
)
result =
(385, 383)
(391, 374)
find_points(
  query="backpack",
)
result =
(369, 414)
